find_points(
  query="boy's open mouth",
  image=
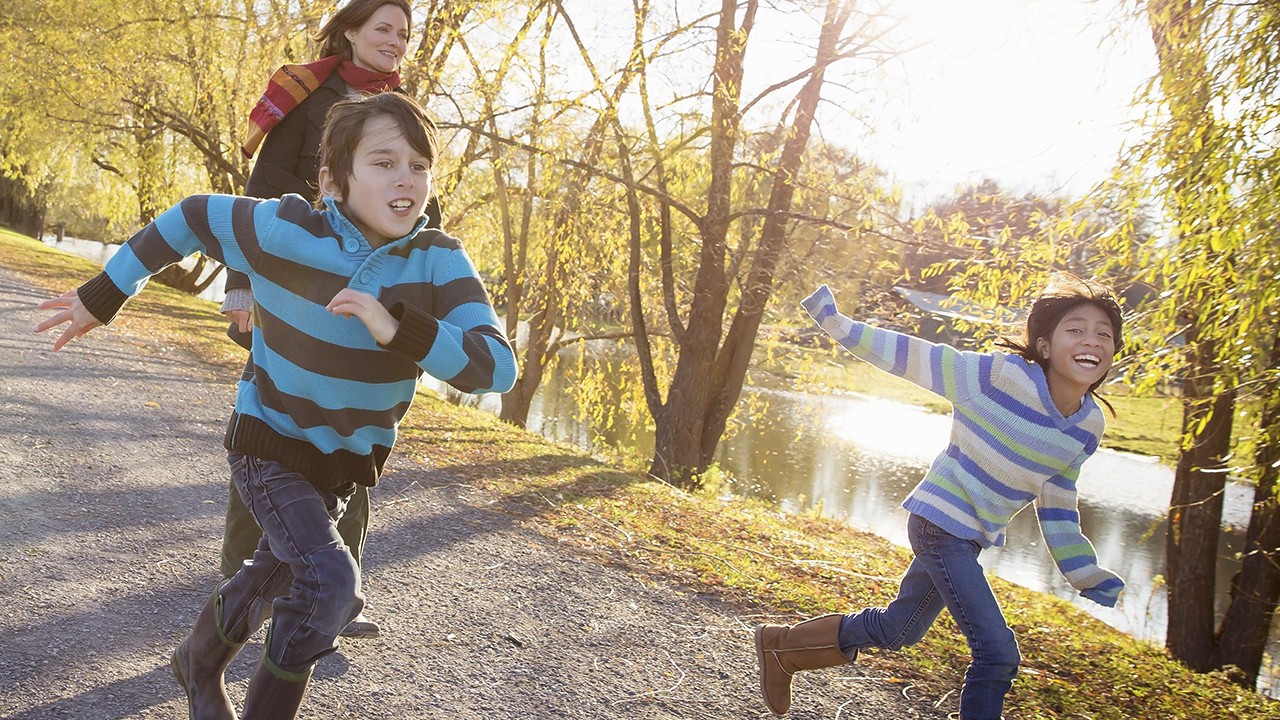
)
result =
(400, 205)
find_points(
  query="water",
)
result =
(857, 458)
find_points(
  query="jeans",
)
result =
(302, 575)
(945, 573)
(241, 533)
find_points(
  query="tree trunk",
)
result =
(1255, 590)
(678, 452)
(709, 376)
(1195, 513)
(20, 209)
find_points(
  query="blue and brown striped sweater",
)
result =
(325, 398)
(1010, 445)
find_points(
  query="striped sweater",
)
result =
(1010, 446)
(325, 398)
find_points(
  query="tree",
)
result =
(711, 362)
(1210, 165)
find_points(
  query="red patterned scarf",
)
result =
(291, 84)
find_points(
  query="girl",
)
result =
(1023, 425)
(361, 47)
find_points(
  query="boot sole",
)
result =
(760, 660)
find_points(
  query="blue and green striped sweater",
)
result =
(1010, 446)
(325, 398)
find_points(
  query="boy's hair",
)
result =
(332, 35)
(1063, 293)
(344, 127)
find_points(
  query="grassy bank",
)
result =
(1075, 667)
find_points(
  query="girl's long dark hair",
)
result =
(331, 36)
(1061, 295)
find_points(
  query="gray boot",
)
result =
(200, 662)
(271, 697)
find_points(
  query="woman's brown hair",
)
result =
(332, 35)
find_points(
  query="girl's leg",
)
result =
(302, 569)
(905, 621)
(952, 563)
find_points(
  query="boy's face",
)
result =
(389, 184)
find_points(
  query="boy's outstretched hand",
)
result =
(74, 312)
(348, 302)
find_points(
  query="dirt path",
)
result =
(112, 484)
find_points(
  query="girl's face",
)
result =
(380, 43)
(1081, 350)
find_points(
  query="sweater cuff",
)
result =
(818, 302)
(101, 298)
(237, 299)
(417, 332)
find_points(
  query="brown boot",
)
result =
(783, 650)
(271, 697)
(200, 662)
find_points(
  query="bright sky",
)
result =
(1033, 93)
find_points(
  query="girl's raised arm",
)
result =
(939, 368)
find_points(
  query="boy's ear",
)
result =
(328, 187)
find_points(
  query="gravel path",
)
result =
(112, 484)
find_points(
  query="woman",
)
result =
(362, 47)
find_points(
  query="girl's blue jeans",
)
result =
(945, 573)
(301, 576)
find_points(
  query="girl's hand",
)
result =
(74, 312)
(348, 302)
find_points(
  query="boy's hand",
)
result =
(382, 326)
(82, 321)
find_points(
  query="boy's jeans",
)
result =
(301, 575)
(945, 573)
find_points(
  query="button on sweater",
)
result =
(1010, 446)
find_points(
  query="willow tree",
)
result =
(1211, 164)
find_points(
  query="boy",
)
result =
(354, 300)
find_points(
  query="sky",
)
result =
(1032, 93)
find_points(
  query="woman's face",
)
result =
(379, 44)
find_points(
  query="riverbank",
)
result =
(688, 547)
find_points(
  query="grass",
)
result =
(766, 562)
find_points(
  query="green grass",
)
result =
(752, 555)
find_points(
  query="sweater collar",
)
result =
(348, 229)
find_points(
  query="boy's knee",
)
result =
(337, 578)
